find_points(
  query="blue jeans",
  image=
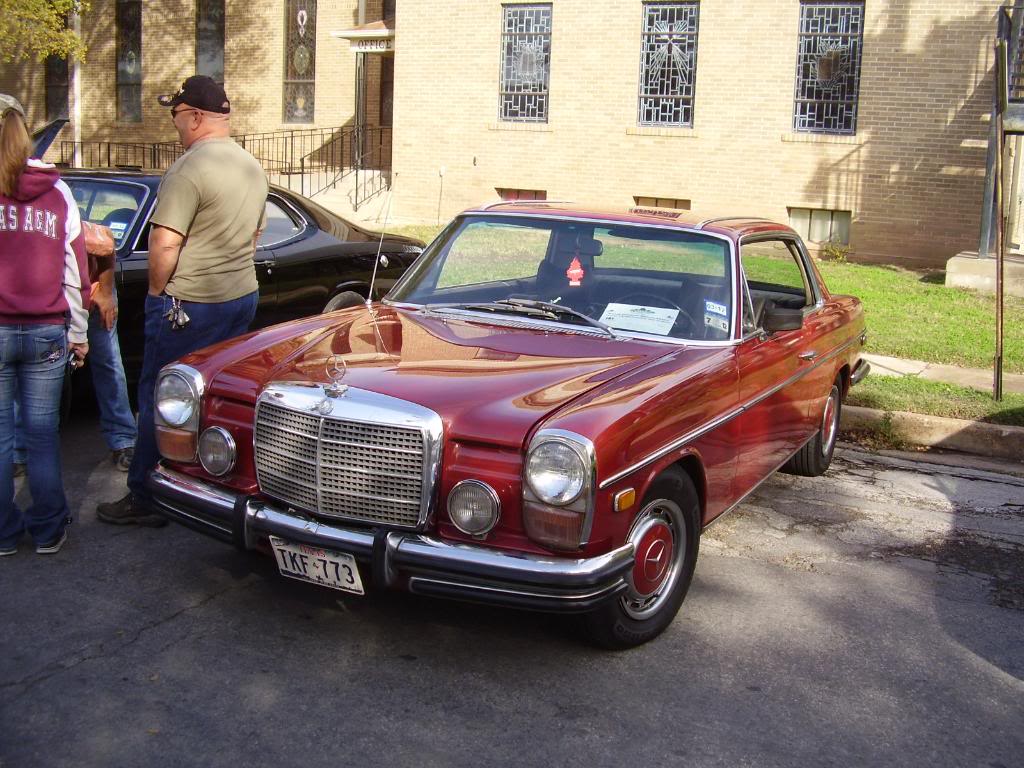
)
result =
(209, 324)
(116, 420)
(108, 382)
(32, 363)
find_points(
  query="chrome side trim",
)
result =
(708, 426)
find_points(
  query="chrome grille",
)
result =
(342, 467)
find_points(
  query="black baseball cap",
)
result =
(201, 92)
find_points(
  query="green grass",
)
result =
(911, 316)
(936, 399)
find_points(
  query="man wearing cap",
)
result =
(202, 281)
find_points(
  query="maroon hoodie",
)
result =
(43, 267)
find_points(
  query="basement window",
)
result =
(510, 195)
(819, 225)
(673, 203)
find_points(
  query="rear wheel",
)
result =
(344, 300)
(666, 537)
(816, 455)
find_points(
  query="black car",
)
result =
(308, 259)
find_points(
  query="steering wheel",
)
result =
(653, 300)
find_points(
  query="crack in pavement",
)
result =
(59, 667)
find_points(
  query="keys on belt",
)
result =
(176, 314)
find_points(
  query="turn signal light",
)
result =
(554, 527)
(176, 444)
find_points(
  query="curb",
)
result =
(973, 437)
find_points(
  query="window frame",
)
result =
(200, 7)
(807, 61)
(646, 55)
(507, 95)
(798, 251)
(128, 90)
(291, 11)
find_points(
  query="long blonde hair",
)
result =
(15, 148)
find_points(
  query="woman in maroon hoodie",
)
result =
(44, 300)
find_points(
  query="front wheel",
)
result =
(666, 538)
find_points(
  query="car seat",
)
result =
(553, 281)
(118, 221)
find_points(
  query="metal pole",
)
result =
(1000, 229)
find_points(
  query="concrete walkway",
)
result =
(978, 378)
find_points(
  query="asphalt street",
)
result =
(874, 616)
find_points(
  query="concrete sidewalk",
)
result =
(974, 437)
(977, 378)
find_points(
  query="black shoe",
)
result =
(129, 511)
(122, 458)
(54, 546)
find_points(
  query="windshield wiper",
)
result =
(546, 310)
(558, 310)
(494, 306)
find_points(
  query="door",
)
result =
(774, 367)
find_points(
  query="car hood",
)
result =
(487, 382)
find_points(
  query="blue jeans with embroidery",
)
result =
(32, 363)
(209, 324)
(108, 382)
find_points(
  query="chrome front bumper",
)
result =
(422, 564)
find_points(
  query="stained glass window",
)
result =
(299, 61)
(56, 88)
(525, 62)
(128, 20)
(210, 39)
(668, 63)
(828, 67)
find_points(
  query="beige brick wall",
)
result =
(253, 59)
(912, 175)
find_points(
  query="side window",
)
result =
(281, 225)
(775, 273)
(109, 203)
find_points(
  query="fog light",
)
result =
(217, 451)
(473, 507)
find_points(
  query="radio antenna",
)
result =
(380, 246)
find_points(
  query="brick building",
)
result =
(860, 121)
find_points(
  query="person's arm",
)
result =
(164, 249)
(103, 291)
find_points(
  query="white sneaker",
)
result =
(53, 547)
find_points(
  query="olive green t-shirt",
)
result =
(215, 195)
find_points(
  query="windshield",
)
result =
(632, 279)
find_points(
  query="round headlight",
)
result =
(556, 473)
(217, 451)
(473, 507)
(175, 400)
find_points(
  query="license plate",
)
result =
(317, 566)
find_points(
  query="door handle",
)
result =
(807, 355)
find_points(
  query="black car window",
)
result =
(282, 224)
(113, 204)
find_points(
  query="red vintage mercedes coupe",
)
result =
(544, 413)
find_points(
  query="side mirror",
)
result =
(782, 319)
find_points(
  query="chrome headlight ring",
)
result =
(177, 396)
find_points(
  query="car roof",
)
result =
(734, 226)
